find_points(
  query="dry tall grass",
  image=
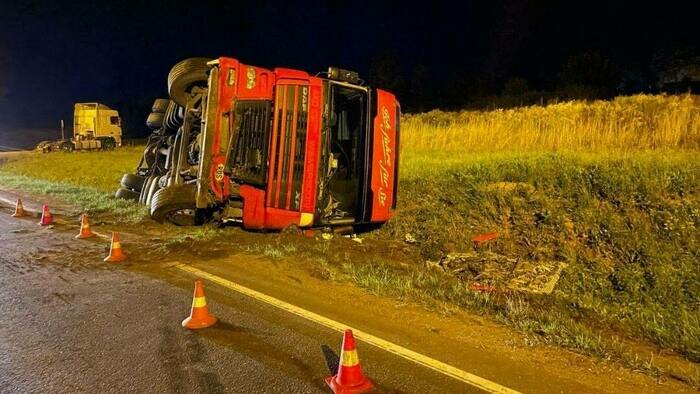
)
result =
(625, 123)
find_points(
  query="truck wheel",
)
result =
(67, 146)
(133, 182)
(155, 186)
(145, 189)
(42, 146)
(126, 194)
(176, 204)
(160, 105)
(108, 144)
(154, 120)
(184, 76)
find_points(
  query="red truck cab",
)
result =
(297, 149)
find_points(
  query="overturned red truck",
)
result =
(268, 148)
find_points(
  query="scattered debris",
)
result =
(490, 271)
(327, 236)
(481, 288)
(19, 231)
(539, 277)
(482, 238)
(409, 239)
(356, 238)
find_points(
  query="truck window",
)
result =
(114, 120)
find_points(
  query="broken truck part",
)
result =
(268, 148)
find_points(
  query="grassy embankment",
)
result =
(609, 188)
(87, 179)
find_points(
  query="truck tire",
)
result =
(126, 194)
(154, 120)
(176, 204)
(108, 143)
(145, 189)
(67, 146)
(133, 182)
(184, 76)
(155, 186)
(160, 105)
(43, 146)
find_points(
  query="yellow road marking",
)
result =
(390, 347)
(105, 236)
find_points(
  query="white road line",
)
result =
(408, 354)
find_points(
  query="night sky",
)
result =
(53, 54)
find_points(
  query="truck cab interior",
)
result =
(347, 119)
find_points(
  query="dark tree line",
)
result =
(584, 75)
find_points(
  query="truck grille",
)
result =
(251, 131)
(288, 147)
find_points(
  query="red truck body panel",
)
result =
(384, 157)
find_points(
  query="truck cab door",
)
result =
(384, 146)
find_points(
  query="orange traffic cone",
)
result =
(46, 217)
(115, 250)
(19, 209)
(85, 231)
(199, 316)
(349, 378)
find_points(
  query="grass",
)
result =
(627, 227)
(626, 123)
(101, 171)
(100, 205)
(609, 188)
(85, 179)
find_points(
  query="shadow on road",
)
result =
(332, 359)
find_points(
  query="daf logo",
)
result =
(231, 79)
(304, 97)
(219, 173)
(250, 75)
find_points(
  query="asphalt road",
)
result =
(72, 323)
